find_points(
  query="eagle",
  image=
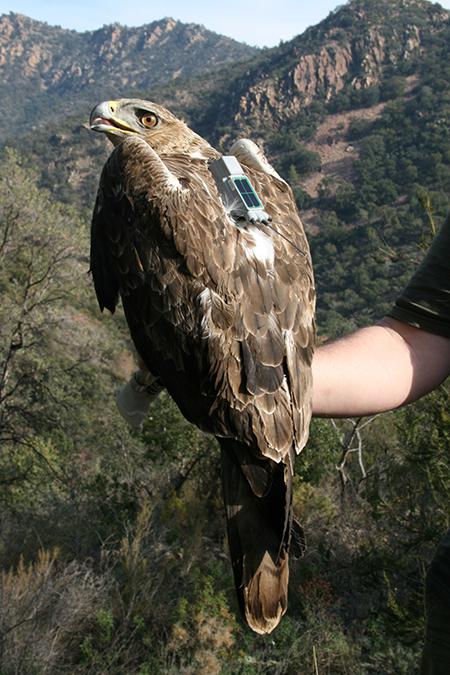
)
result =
(221, 311)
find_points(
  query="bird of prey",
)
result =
(221, 310)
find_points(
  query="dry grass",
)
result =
(43, 606)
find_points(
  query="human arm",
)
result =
(377, 369)
(398, 360)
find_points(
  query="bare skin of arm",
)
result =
(378, 368)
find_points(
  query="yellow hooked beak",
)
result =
(103, 119)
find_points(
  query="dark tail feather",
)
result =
(257, 495)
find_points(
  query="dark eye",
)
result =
(148, 120)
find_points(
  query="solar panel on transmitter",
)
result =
(236, 191)
(247, 193)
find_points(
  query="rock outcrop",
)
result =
(352, 48)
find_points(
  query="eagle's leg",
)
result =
(134, 398)
(257, 497)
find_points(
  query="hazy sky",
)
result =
(257, 22)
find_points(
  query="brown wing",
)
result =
(133, 255)
(294, 295)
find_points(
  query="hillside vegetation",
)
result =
(112, 544)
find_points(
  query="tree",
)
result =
(393, 88)
(37, 263)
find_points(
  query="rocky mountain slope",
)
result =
(353, 50)
(45, 69)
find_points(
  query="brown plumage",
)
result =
(223, 313)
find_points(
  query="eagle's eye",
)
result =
(148, 120)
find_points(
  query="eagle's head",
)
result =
(164, 132)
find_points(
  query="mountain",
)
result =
(354, 49)
(46, 70)
(351, 112)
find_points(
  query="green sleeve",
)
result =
(425, 302)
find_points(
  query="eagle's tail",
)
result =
(258, 495)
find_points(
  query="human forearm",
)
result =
(377, 369)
